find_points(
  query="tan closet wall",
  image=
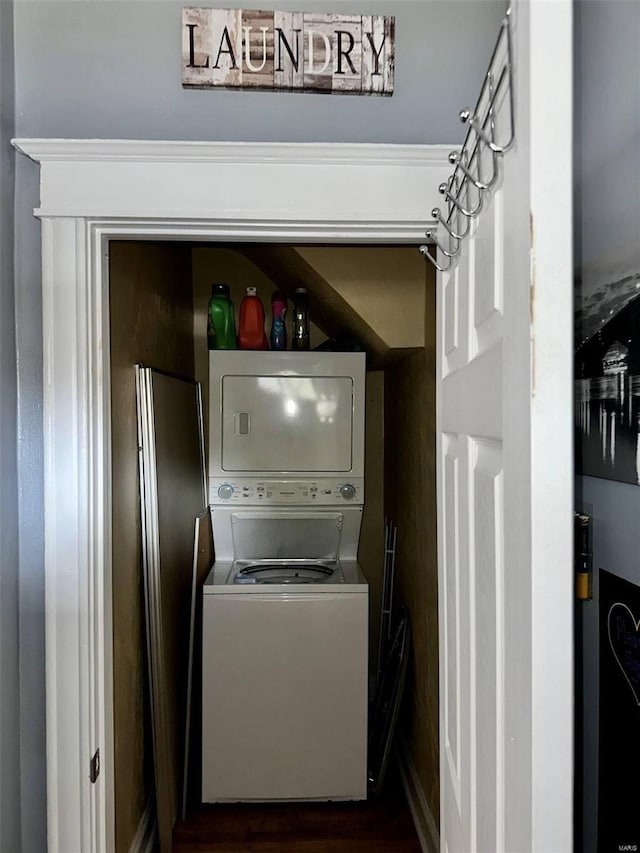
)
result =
(410, 499)
(371, 547)
(151, 323)
(383, 284)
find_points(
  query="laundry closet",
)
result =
(380, 297)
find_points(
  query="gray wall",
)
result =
(112, 70)
(9, 589)
(607, 248)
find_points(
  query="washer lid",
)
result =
(285, 573)
(286, 535)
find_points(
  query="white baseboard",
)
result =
(144, 839)
(422, 816)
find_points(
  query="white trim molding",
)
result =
(387, 189)
(94, 191)
(283, 153)
(77, 538)
(422, 815)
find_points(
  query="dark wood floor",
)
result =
(383, 826)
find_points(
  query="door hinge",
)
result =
(583, 556)
(94, 766)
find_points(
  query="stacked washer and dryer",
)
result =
(285, 607)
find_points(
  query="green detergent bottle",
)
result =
(221, 323)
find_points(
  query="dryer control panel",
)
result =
(252, 492)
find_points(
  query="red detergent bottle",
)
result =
(251, 334)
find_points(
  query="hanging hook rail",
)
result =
(481, 142)
(456, 159)
(470, 117)
(427, 254)
(454, 209)
(467, 117)
(442, 189)
(437, 215)
(450, 226)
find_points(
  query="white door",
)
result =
(505, 471)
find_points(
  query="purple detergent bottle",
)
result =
(278, 326)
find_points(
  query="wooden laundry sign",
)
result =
(295, 51)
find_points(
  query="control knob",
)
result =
(348, 491)
(225, 491)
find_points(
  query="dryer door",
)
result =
(287, 424)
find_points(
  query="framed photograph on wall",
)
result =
(607, 384)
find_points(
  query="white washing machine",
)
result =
(285, 608)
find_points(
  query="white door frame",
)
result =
(91, 192)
